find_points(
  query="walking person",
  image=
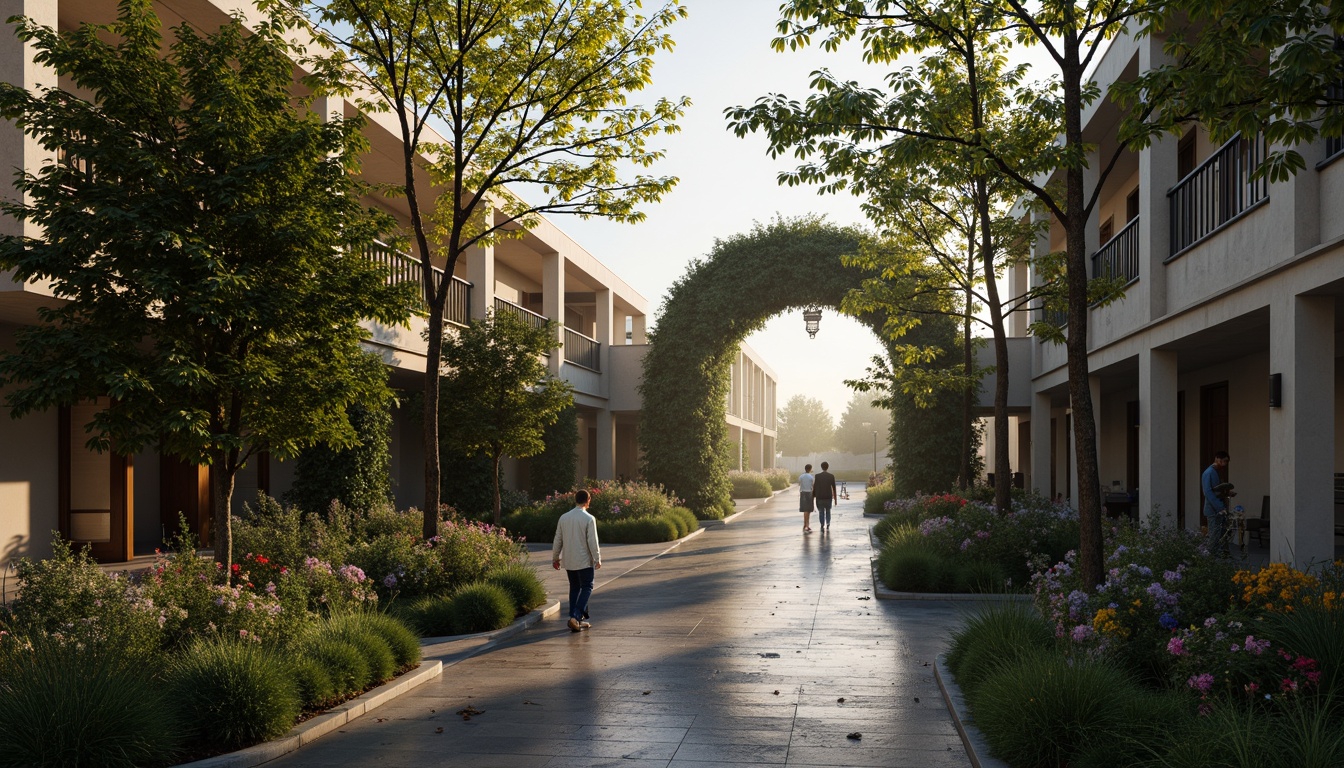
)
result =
(824, 492)
(1215, 505)
(575, 547)
(805, 482)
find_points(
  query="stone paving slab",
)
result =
(683, 663)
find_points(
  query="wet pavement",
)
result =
(749, 644)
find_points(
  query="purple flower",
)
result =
(1080, 633)
(1176, 646)
(390, 581)
(1202, 682)
(1167, 621)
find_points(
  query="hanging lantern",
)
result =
(812, 316)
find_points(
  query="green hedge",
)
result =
(750, 485)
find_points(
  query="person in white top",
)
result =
(805, 482)
(575, 547)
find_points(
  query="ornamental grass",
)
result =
(480, 607)
(232, 693)
(522, 584)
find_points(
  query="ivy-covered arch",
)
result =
(745, 280)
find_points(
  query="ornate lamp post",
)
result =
(812, 316)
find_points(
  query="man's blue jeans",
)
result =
(1218, 533)
(580, 589)
(824, 512)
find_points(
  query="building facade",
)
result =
(124, 506)
(1227, 337)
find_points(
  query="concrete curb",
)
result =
(310, 730)
(427, 644)
(971, 738)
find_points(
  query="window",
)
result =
(1107, 229)
(1132, 206)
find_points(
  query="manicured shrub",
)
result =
(995, 635)
(232, 693)
(878, 495)
(644, 530)
(1042, 709)
(399, 637)
(345, 663)
(779, 478)
(749, 485)
(312, 681)
(480, 607)
(429, 616)
(685, 520)
(522, 584)
(534, 523)
(912, 569)
(61, 705)
(375, 650)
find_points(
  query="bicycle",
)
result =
(844, 492)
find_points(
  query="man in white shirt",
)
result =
(805, 482)
(576, 547)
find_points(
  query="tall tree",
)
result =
(199, 224)
(499, 395)
(1073, 34)
(854, 433)
(531, 98)
(805, 426)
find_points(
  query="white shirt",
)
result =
(805, 482)
(575, 544)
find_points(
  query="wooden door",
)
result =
(95, 502)
(1213, 431)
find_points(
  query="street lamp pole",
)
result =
(874, 451)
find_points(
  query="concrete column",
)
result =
(481, 273)
(605, 332)
(553, 301)
(18, 150)
(1040, 443)
(1090, 181)
(1157, 435)
(1093, 383)
(606, 445)
(1301, 431)
(638, 331)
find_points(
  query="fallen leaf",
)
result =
(865, 597)
(436, 730)
(841, 700)
(916, 699)
(776, 693)
(855, 735)
(646, 693)
(468, 712)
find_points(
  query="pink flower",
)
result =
(1176, 646)
(1202, 682)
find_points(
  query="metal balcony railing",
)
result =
(1218, 191)
(526, 315)
(404, 268)
(1119, 256)
(1334, 95)
(1057, 318)
(583, 350)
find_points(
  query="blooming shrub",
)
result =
(195, 603)
(1276, 588)
(1224, 655)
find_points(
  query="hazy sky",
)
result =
(723, 58)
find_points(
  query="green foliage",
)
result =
(468, 483)
(639, 530)
(750, 485)
(854, 433)
(345, 663)
(996, 635)
(805, 426)
(401, 642)
(553, 469)
(926, 413)
(535, 523)
(357, 476)
(68, 597)
(480, 607)
(914, 569)
(235, 323)
(232, 694)
(684, 519)
(66, 705)
(497, 394)
(522, 584)
(429, 616)
(1041, 709)
(312, 682)
(788, 264)
(878, 495)
(779, 478)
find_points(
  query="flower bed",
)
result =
(944, 543)
(187, 660)
(1177, 659)
(627, 513)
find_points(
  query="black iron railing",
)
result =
(404, 268)
(526, 315)
(1119, 256)
(583, 350)
(1220, 189)
(1056, 317)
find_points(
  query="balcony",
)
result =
(1217, 192)
(1119, 256)
(404, 268)
(504, 306)
(583, 350)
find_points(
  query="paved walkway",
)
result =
(750, 644)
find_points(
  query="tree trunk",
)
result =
(1090, 556)
(223, 470)
(1003, 479)
(495, 480)
(433, 359)
(968, 368)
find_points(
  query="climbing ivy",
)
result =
(747, 279)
